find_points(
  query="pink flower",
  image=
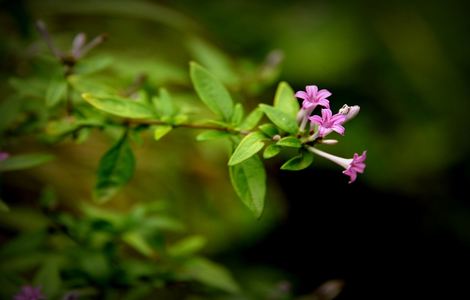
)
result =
(352, 166)
(29, 293)
(328, 123)
(356, 165)
(313, 97)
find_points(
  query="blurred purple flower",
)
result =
(4, 155)
(313, 97)
(328, 122)
(29, 293)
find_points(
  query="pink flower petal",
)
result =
(302, 95)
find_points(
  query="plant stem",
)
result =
(189, 125)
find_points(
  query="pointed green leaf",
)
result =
(187, 246)
(24, 161)
(252, 119)
(164, 104)
(214, 59)
(249, 181)
(212, 135)
(269, 129)
(120, 106)
(285, 100)
(299, 162)
(211, 91)
(91, 65)
(249, 146)
(115, 169)
(271, 151)
(237, 114)
(289, 141)
(160, 131)
(210, 273)
(282, 120)
(56, 91)
(137, 241)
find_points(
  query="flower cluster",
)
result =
(321, 126)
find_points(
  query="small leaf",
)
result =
(115, 169)
(249, 146)
(56, 91)
(164, 104)
(252, 119)
(299, 162)
(269, 129)
(212, 135)
(271, 151)
(160, 131)
(3, 206)
(237, 114)
(138, 242)
(211, 91)
(249, 181)
(24, 161)
(120, 107)
(282, 120)
(211, 274)
(187, 246)
(289, 141)
(285, 99)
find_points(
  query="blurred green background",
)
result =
(405, 63)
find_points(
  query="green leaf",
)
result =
(92, 65)
(289, 141)
(237, 114)
(160, 131)
(211, 91)
(281, 119)
(214, 59)
(48, 277)
(115, 169)
(271, 151)
(24, 161)
(249, 146)
(299, 162)
(269, 129)
(252, 119)
(211, 274)
(285, 100)
(3, 206)
(164, 104)
(119, 106)
(56, 91)
(136, 240)
(187, 246)
(249, 181)
(212, 135)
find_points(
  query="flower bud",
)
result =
(349, 111)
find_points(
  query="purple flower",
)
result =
(4, 155)
(29, 293)
(328, 123)
(352, 166)
(313, 97)
(357, 165)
